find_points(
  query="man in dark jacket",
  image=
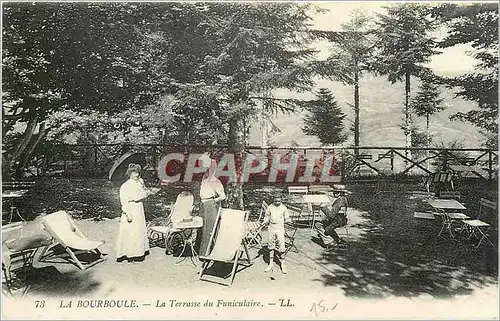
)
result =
(335, 218)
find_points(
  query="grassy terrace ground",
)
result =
(389, 253)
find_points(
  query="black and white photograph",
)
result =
(249, 160)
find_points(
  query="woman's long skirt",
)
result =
(209, 210)
(132, 240)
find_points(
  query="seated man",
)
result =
(334, 219)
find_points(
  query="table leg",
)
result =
(185, 241)
(193, 254)
(184, 245)
(18, 214)
(311, 228)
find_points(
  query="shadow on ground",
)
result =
(389, 253)
(401, 256)
(49, 281)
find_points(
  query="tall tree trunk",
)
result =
(26, 156)
(356, 111)
(10, 160)
(428, 138)
(264, 130)
(236, 145)
(408, 120)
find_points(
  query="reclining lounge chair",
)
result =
(227, 242)
(66, 234)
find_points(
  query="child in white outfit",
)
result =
(276, 216)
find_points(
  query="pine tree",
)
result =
(404, 44)
(251, 50)
(427, 102)
(476, 25)
(325, 119)
(352, 55)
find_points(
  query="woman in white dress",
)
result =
(132, 243)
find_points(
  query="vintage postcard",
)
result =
(249, 160)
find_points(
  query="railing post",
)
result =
(344, 176)
(392, 161)
(95, 160)
(445, 160)
(490, 165)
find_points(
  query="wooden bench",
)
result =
(363, 167)
(320, 189)
(468, 161)
(298, 190)
(424, 215)
(364, 156)
(483, 202)
(18, 184)
(389, 155)
(450, 195)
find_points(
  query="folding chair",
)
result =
(227, 242)
(343, 211)
(65, 233)
(478, 227)
(254, 228)
(290, 231)
(440, 179)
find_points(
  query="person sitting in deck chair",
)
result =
(276, 216)
(335, 218)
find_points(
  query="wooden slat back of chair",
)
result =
(442, 177)
(298, 190)
(364, 156)
(262, 211)
(450, 194)
(18, 184)
(487, 203)
(486, 208)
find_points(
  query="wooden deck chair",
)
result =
(227, 241)
(65, 233)
(254, 228)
